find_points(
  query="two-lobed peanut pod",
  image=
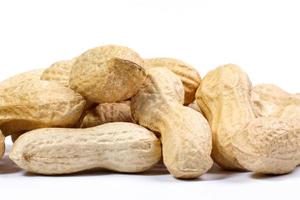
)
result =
(185, 133)
(119, 146)
(270, 144)
(224, 98)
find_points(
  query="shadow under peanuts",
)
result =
(217, 173)
(295, 174)
(156, 170)
(7, 166)
(214, 174)
(270, 176)
(85, 173)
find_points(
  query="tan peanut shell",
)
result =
(59, 72)
(108, 74)
(38, 104)
(2, 145)
(224, 98)
(269, 100)
(188, 74)
(107, 112)
(22, 77)
(269, 145)
(119, 146)
(185, 133)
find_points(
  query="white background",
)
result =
(262, 36)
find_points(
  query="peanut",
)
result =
(188, 75)
(38, 104)
(269, 145)
(224, 97)
(185, 133)
(107, 74)
(2, 145)
(270, 100)
(59, 72)
(107, 112)
(119, 146)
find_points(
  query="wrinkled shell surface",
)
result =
(119, 146)
(270, 100)
(291, 112)
(224, 97)
(269, 145)
(2, 145)
(22, 77)
(108, 74)
(185, 133)
(107, 112)
(188, 74)
(38, 104)
(59, 72)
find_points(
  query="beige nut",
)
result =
(38, 104)
(269, 145)
(185, 133)
(107, 112)
(107, 74)
(224, 98)
(119, 146)
(188, 74)
(270, 100)
(59, 72)
(2, 145)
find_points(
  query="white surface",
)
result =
(261, 36)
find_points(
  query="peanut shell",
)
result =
(185, 133)
(119, 146)
(108, 74)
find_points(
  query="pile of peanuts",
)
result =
(110, 109)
